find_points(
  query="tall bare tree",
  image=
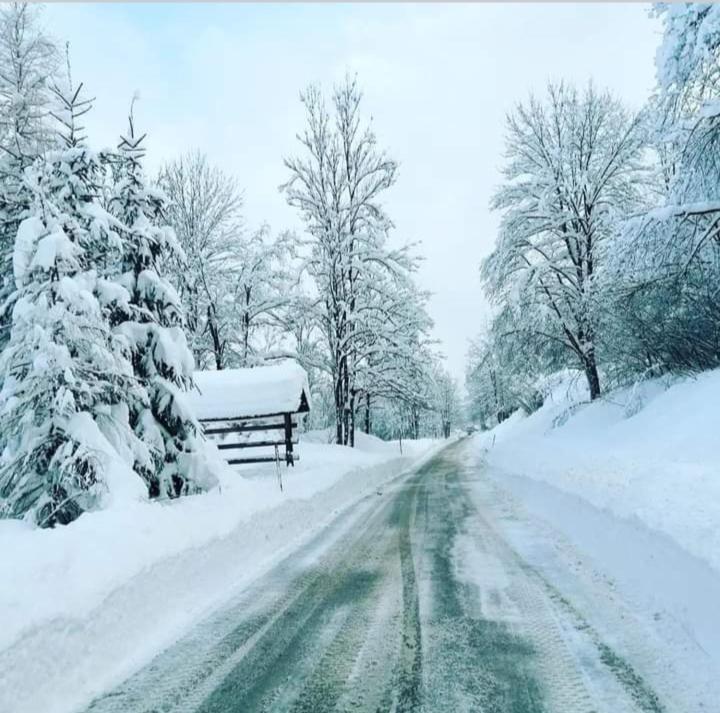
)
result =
(204, 209)
(572, 171)
(336, 184)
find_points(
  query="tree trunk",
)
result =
(591, 373)
(246, 327)
(346, 403)
(338, 411)
(367, 413)
(338, 425)
(215, 336)
(246, 339)
(352, 421)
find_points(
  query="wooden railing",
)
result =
(237, 433)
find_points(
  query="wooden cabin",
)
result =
(252, 414)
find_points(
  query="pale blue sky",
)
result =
(438, 80)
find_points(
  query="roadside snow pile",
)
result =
(649, 452)
(371, 444)
(66, 572)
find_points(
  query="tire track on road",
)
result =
(385, 622)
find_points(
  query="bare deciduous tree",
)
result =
(205, 211)
(28, 63)
(572, 171)
(336, 184)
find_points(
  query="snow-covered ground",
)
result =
(84, 605)
(617, 505)
(649, 453)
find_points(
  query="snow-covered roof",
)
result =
(260, 391)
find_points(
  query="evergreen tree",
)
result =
(65, 428)
(148, 314)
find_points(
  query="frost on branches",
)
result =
(572, 171)
(28, 59)
(668, 257)
(687, 135)
(97, 359)
(146, 311)
(368, 311)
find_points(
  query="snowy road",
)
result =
(417, 604)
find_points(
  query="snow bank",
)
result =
(67, 573)
(649, 453)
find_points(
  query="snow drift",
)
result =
(649, 452)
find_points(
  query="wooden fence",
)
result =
(276, 431)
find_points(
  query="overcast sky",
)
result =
(438, 80)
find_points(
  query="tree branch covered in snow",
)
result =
(371, 316)
(572, 172)
(609, 244)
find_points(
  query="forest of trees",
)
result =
(116, 287)
(607, 260)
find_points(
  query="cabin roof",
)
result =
(259, 391)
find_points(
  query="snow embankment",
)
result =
(95, 599)
(649, 453)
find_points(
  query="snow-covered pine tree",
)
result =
(28, 61)
(151, 320)
(64, 423)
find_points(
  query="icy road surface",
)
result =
(418, 604)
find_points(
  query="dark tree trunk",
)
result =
(352, 421)
(215, 336)
(415, 423)
(591, 373)
(246, 327)
(367, 413)
(338, 411)
(338, 426)
(346, 404)
(346, 424)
